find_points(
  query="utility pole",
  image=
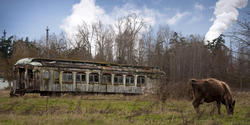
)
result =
(47, 36)
(4, 35)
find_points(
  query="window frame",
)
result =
(141, 80)
(67, 81)
(108, 78)
(94, 75)
(55, 79)
(119, 78)
(129, 79)
(81, 78)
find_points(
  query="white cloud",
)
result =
(199, 6)
(87, 11)
(90, 13)
(176, 18)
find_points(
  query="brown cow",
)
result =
(210, 90)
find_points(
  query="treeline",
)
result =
(131, 41)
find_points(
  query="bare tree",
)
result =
(103, 36)
(128, 29)
(80, 47)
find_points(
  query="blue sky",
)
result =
(30, 17)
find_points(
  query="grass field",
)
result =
(116, 109)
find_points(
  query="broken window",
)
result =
(93, 77)
(140, 80)
(106, 78)
(118, 79)
(129, 80)
(80, 78)
(67, 77)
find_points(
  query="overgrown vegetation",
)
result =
(116, 109)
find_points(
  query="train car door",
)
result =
(21, 82)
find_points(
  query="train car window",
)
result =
(93, 77)
(121, 80)
(56, 76)
(81, 78)
(106, 78)
(46, 74)
(67, 77)
(84, 77)
(140, 80)
(129, 80)
(96, 78)
(118, 79)
(70, 78)
(64, 77)
(78, 78)
(143, 80)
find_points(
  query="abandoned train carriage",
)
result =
(48, 76)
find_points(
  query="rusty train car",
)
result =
(50, 76)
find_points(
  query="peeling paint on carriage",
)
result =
(48, 76)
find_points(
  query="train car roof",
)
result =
(42, 62)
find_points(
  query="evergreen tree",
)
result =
(216, 44)
(6, 46)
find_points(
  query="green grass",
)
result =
(116, 109)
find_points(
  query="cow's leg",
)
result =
(218, 106)
(196, 104)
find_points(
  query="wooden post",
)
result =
(124, 80)
(135, 80)
(112, 79)
(74, 81)
(60, 79)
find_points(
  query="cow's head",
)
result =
(230, 107)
